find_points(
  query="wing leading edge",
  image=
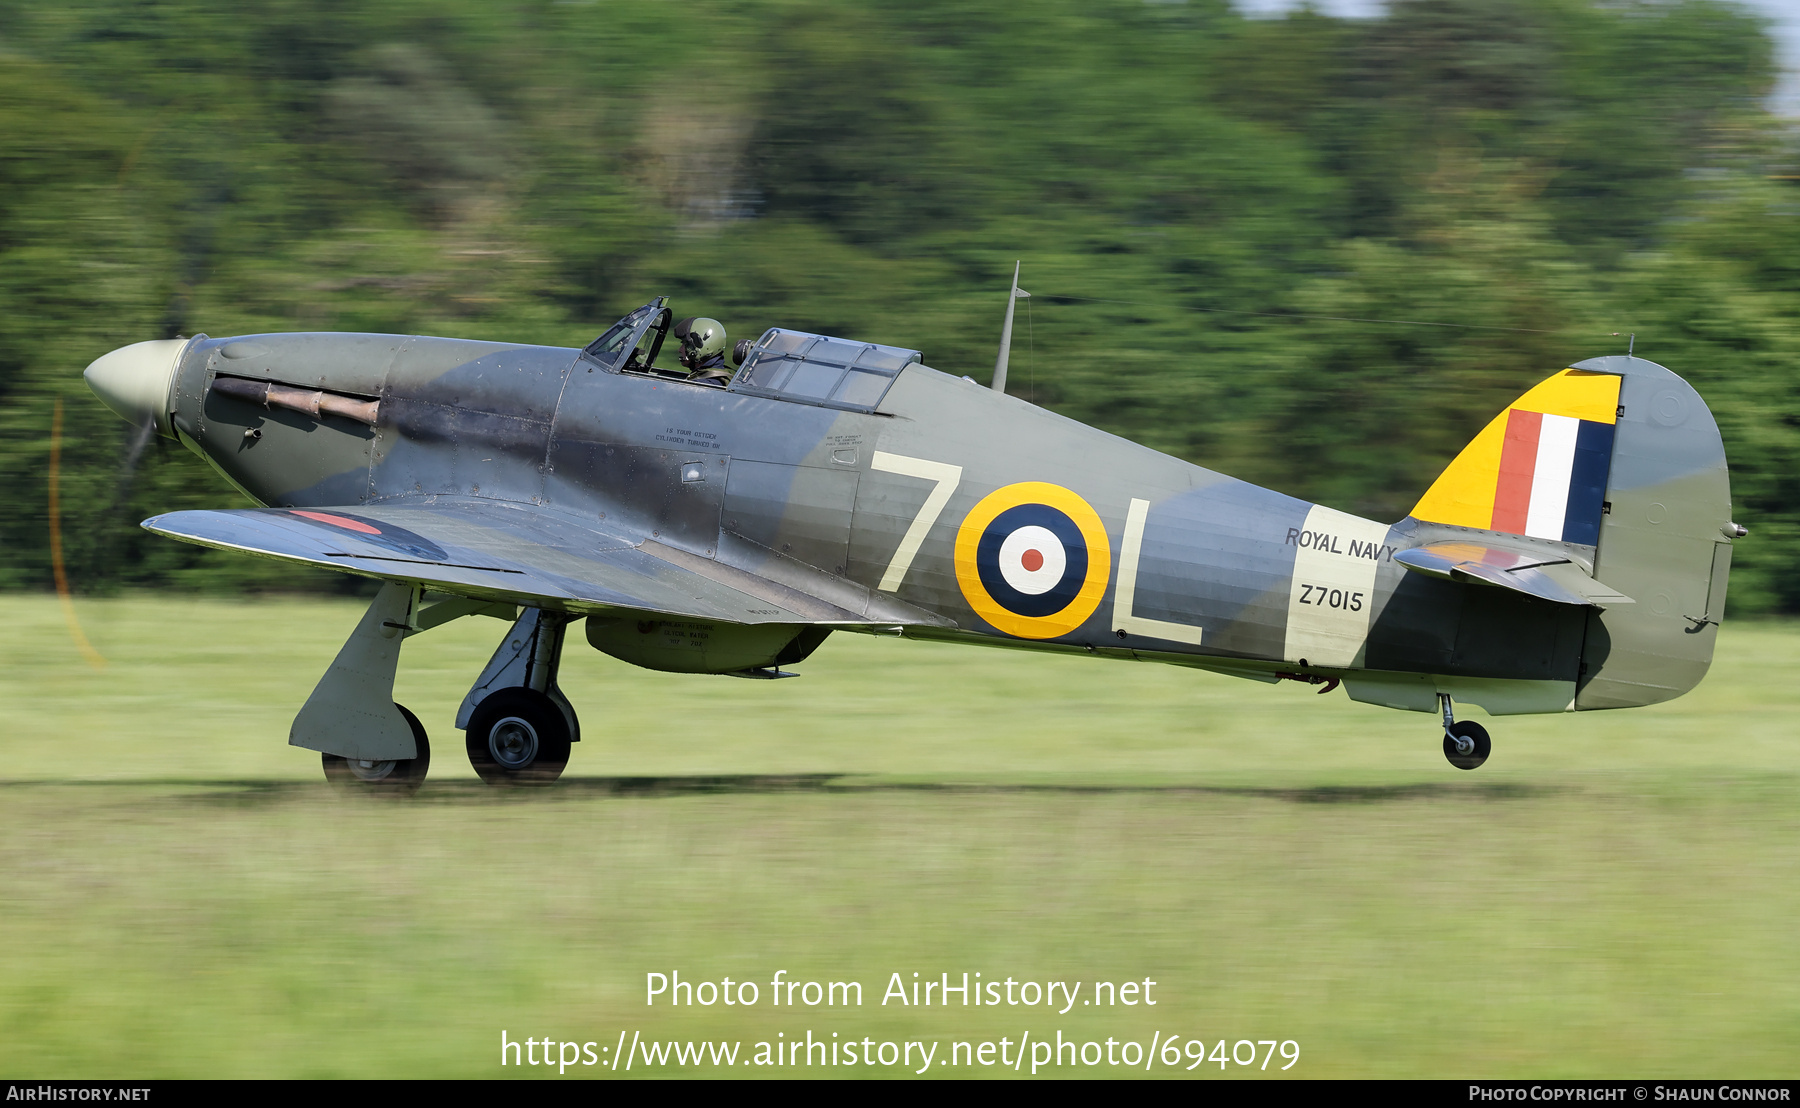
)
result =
(499, 551)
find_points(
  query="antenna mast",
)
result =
(1012, 299)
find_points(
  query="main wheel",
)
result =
(518, 737)
(1473, 748)
(394, 777)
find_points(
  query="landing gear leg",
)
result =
(518, 724)
(351, 717)
(1466, 744)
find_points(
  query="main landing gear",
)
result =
(382, 776)
(517, 723)
(518, 737)
(1466, 744)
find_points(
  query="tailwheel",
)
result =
(1466, 744)
(518, 736)
(390, 777)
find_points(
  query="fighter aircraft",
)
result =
(1574, 556)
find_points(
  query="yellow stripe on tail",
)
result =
(1463, 495)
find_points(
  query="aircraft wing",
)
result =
(525, 554)
(1544, 576)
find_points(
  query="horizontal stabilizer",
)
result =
(519, 554)
(1542, 575)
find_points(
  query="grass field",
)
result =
(1613, 894)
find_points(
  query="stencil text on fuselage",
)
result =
(1335, 558)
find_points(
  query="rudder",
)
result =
(1665, 540)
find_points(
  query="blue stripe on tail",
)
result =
(1587, 483)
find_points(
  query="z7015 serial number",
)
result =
(1325, 597)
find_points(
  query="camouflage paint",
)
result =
(570, 485)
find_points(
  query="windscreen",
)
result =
(622, 336)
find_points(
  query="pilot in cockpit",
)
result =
(703, 349)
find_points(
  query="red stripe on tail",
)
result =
(1518, 462)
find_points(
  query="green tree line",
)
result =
(1214, 213)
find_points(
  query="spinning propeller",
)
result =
(134, 382)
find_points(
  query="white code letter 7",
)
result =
(947, 478)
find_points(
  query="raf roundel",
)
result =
(1032, 559)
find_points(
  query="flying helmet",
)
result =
(700, 339)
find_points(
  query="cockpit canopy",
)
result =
(818, 369)
(788, 365)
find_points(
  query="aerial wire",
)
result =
(56, 552)
(1330, 318)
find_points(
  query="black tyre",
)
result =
(400, 777)
(518, 737)
(1476, 738)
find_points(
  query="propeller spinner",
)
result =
(135, 381)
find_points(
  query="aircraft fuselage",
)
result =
(1178, 563)
(1574, 555)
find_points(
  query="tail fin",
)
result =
(1619, 458)
(1540, 468)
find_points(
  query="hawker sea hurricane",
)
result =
(725, 516)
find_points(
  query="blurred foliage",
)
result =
(1190, 190)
